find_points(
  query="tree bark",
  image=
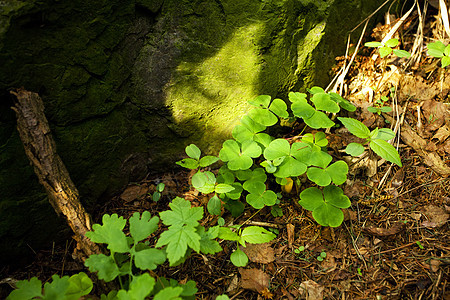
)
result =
(41, 151)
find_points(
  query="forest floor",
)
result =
(395, 240)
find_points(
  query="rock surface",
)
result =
(128, 84)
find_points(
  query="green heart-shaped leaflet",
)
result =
(290, 166)
(263, 116)
(279, 108)
(239, 157)
(204, 182)
(258, 196)
(323, 101)
(326, 206)
(247, 129)
(261, 101)
(336, 172)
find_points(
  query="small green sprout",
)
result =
(359, 271)
(194, 161)
(299, 249)
(420, 245)
(440, 50)
(386, 48)
(379, 107)
(159, 189)
(322, 256)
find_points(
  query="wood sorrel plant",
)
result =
(253, 155)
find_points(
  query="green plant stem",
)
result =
(114, 258)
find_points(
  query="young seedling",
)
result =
(299, 250)
(250, 234)
(376, 138)
(440, 50)
(159, 189)
(194, 161)
(386, 48)
(379, 107)
(322, 256)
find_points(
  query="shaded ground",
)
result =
(395, 241)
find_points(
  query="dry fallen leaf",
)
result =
(434, 113)
(442, 134)
(437, 216)
(311, 290)
(259, 253)
(377, 231)
(290, 233)
(254, 280)
(234, 284)
(133, 192)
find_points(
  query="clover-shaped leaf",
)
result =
(279, 108)
(261, 101)
(79, 285)
(318, 120)
(326, 206)
(344, 103)
(142, 227)
(204, 182)
(263, 139)
(296, 96)
(302, 109)
(336, 172)
(258, 196)
(111, 233)
(277, 148)
(289, 166)
(319, 139)
(319, 158)
(263, 116)
(247, 129)
(239, 157)
(323, 101)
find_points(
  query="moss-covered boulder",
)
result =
(128, 84)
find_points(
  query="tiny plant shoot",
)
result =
(440, 50)
(387, 48)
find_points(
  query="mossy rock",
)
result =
(127, 85)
